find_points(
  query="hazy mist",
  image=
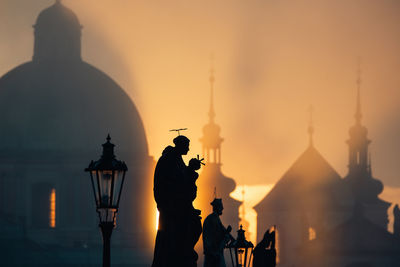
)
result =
(272, 60)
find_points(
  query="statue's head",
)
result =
(181, 144)
(217, 206)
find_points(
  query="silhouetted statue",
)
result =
(215, 236)
(265, 253)
(179, 223)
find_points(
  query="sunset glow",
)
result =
(157, 219)
(294, 106)
(253, 195)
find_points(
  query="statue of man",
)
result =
(215, 236)
(179, 225)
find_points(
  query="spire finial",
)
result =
(211, 112)
(358, 114)
(310, 124)
(58, 1)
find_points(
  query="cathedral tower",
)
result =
(212, 182)
(364, 186)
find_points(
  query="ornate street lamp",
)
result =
(240, 250)
(107, 175)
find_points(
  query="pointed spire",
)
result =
(358, 114)
(310, 125)
(211, 112)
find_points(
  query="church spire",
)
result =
(211, 112)
(211, 139)
(358, 114)
(358, 142)
(311, 126)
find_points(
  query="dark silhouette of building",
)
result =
(212, 177)
(303, 203)
(55, 111)
(364, 186)
(324, 220)
(358, 242)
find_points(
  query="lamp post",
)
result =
(240, 250)
(107, 176)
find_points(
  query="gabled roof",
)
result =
(309, 183)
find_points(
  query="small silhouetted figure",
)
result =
(265, 253)
(179, 224)
(215, 236)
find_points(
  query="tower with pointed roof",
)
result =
(211, 140)
(212, 176)
(309, 199)
(364, 186)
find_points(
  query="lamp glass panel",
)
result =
(93, 176)
(240, 252)
(118, 180)
(105, 187)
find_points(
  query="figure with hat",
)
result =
(179, 223)
(215, 236)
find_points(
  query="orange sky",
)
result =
(273, 59)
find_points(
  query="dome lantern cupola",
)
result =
(57, 35)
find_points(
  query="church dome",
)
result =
(69, 107)
(61, 105)
(56, 111)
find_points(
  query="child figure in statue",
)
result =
(190, 184)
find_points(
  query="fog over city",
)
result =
(272, 60)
